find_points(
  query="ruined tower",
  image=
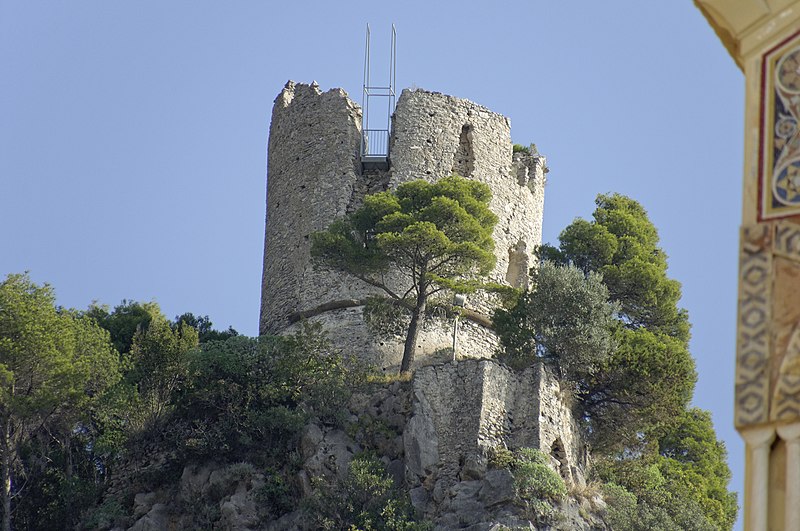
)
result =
(458, 412)
(316, 174)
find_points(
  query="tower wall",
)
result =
(315, 176)
(435, 135)
(313, 168)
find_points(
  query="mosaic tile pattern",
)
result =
(786, 402)
(779, 183)
(752, 356)
(787, 240)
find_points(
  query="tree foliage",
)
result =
(626, 380)
(437, 236)
(256, 393)
(153, 369)
(642, 387)
(622, 245)
(154, 354)
(130, 316)
(681, 484)
(124, 321)
(159, 364)
(55, 365)
(648, 377)
(565, 318)
(664, 467)
(204, 327)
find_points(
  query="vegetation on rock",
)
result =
(85, 396)
(437, 236)
(77, 391)
(538, 486)
(366, 499)
(247, 395)
(604, 313)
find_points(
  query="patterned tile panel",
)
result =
(786, 402)
(787, 240)
(752, 352)
(779, 182)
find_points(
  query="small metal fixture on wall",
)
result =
(375, 138)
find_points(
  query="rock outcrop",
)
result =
(436, 436)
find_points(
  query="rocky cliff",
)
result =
(440, 437)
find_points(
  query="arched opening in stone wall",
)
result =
(517, 272)
(558, 453)
(464, 158)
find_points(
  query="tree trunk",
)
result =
(417, 315)
(5, 471)
(68, 449)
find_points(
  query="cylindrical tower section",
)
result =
(435, 135)
(315, 176)
(313, 168)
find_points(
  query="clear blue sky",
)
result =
(133, 136)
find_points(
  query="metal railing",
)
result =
(375, 143)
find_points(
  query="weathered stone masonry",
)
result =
(452, 415)
(315, 176)
(506, 409)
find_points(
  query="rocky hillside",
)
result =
(466, 445)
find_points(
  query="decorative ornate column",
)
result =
(763, 37)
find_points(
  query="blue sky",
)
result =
(133, 136)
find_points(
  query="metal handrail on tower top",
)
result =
(375, 140)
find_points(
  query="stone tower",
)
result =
(315, 175)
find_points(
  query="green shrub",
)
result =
(111, 513)
(501, 457)
(274, 498)
(366, 500)
(534, 478)
(537, 485)
(519, 148)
